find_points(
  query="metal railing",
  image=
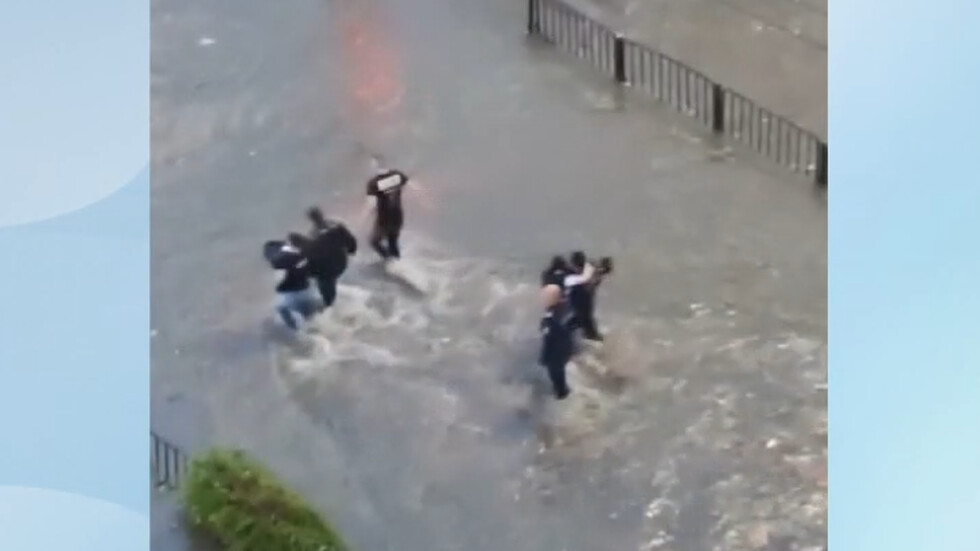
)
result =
(575, 33)
(687, 90)
(168, 463)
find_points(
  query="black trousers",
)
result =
(384, 240)
(584, 310)
(328, 290)
(556, 373)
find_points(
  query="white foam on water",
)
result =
(337, 336)
(476, 316)
(498, 291)
(358, 308)
(409, 273)
(580, 414)
(372, 323)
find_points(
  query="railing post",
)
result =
(822, 164)
(718, 108)
(619, 58)
(533, 14)
(168, 463)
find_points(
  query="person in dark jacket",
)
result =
(327, 250)
(580, 287)
(296, 296)
(557, 344)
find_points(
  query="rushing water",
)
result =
(419, 420)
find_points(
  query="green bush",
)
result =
(240, 504)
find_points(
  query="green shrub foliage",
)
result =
(238, 503)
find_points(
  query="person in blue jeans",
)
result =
(295, 292)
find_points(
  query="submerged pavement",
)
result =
(772, 51)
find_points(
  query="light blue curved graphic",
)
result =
(74, 104)
(74, 351)
(903, 301)
(36, 519)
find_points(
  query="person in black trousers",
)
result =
(384, 191)
(556, 339)
(329, 245)
(580, 288)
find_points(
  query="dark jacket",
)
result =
(281, 256)
(581, 294)
(328, 249)
(581, 297)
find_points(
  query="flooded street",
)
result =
(772, 51)
(420, 422)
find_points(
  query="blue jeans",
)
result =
(305, 302)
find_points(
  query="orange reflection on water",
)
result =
(374, 84)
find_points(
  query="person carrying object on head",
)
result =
(384, 191)
(327, 250)
(296, 295)
(556, 339)
(580, 286)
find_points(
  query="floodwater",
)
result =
(771, 51)
(418, 421)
